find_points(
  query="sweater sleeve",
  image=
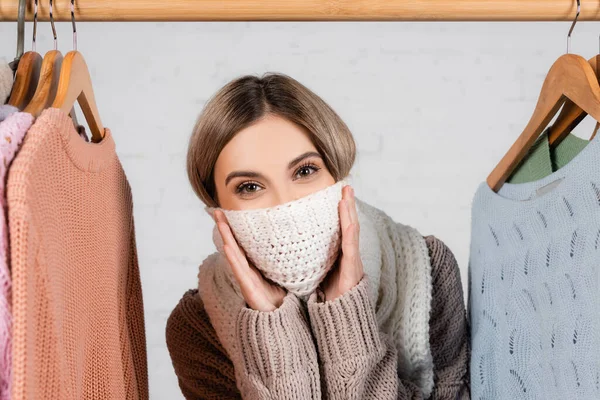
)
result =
(448, 329)
(136, 326)
(278, 353)
(201, 364)
(277, 356)
(357, 360)
(360, 362)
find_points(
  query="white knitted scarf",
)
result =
(294, 244)
(396, 262)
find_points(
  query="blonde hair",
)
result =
(243, 102)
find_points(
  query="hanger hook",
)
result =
(52, 23)
(21, 29)
(573, 26)
(35, 17)
(73, 23)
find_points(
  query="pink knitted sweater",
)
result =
(12, 131)
(78, 327)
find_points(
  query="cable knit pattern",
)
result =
(6, 80)
(77, 300)
(293, 244)
(356, 359)
(534, 298)
(12, 131)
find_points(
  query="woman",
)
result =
(312, 294)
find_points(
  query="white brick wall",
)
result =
(433, 107)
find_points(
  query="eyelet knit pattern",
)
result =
(77, 300)
(534, 286)
(396, 262)
(294, 244)
(12, 131)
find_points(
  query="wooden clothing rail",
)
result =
(309, 10)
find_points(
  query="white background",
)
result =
(433, 107)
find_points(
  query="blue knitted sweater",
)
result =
(534, 289)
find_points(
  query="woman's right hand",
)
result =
(259, 293)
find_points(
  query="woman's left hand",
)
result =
(349, 270)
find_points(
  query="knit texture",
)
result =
(77, 300)
(12, 131)
(6, 80)
(6, 110)
(355, 359)
(534, 297)
(293, 244)
(396, 253)
(396, 260)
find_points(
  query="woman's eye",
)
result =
(248, 188)
(306, 171)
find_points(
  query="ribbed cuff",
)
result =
(345, 328)
(278, 342)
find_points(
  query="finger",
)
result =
(354, 213)
(349, 244)
(344, 215)
(227, 233)
(239, 271)
(346, 192)
(351, 205)
(219, 216)
(234, 255)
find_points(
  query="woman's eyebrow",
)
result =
(302, 157)
(242, 174)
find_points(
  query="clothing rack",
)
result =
(309, 10)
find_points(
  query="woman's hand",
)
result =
(349, 272)
(259, 293)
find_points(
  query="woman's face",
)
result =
(269, 163)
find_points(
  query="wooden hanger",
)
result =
(26, 66)
(26, 79)
(47, 84)
(570, 115)
(75, 85)
(570, 77)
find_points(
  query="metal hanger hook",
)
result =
(73, 23)
(573, 26)
(21, 29)
(35, 17)
(53, 27)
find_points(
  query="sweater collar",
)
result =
(88, 157)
